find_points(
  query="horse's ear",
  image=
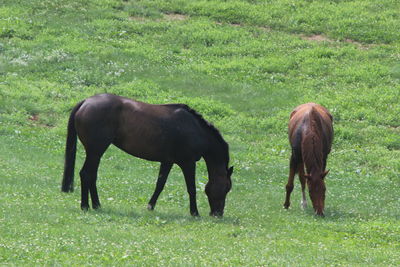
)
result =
(230, 171)
(325, 174)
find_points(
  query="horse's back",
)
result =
(96, 119)
(305, 118)
(307, 112)
(98, 107)
(303, 109)
(166, 132)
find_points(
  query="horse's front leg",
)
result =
(303, 185)
(165, 168)
(189, 171)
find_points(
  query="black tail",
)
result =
(70, 152)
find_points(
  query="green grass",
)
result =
(244, 65)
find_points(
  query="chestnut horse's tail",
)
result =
(70, 152)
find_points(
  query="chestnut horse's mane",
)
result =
(312, 144)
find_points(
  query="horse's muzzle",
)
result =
(320, 214)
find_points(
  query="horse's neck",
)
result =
(312, 152)
(216, 161)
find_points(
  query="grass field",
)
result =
(244, 65)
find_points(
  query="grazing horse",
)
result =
(171, 133)
(310, 136)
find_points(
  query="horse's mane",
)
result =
(209, 125)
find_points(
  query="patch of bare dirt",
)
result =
(175, 17)
(168, 17)
(323, 38)
(316, 37)
(236, 24)
(360, 45)
(134, 18)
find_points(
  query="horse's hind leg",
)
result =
(93, 188)
(289, 185)
(165, 168)
(303, 185)
(88, 175)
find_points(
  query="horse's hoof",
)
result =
(286, 205)
(85, 208)
(216, 214)
(96, 207)
(150, 207)
(195, 214)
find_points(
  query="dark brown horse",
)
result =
(172, 133)
(310, 136)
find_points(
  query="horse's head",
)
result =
(316, 188)
(216, 190)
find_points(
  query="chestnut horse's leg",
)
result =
(162, 178)
(303, 185)
(289, 185)
(189, 171)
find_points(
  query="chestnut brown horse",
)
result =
(310, 136)
(171, 133)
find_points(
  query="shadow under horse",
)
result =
(310, 136)
(170, 134)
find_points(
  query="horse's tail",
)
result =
(70, 152)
